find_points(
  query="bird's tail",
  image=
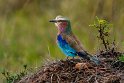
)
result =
(94, 59)
(87, 56)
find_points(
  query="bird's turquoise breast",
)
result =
(65, 47)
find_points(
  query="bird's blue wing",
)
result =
(68, 50)
(65, 47)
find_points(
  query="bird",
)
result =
(68, 42)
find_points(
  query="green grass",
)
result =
(12, 78)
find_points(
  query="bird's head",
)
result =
(62, 23)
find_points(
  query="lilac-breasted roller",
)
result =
(68, 42)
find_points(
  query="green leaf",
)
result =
(121, 58)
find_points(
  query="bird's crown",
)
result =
(61, 18)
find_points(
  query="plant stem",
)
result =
(102, 37)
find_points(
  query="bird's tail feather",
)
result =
(89, 57)
(94, 59)
(83, 55)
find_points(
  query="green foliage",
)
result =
(121, 58)
(11, 78)
(103, 28)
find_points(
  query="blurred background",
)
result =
(27, 37)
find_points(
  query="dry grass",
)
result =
(79, 71)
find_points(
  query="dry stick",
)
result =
(96, 75)
(37, 79)
(51, 78)
(76, 79)
(58, 78)
(89, 78)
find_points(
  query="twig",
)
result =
(51, 78)
(90, 78)
(76, 79)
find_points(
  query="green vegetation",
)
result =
(121, 58)
(27, 37)
(103, 28)
(12, 78)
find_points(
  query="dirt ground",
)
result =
(80, 71)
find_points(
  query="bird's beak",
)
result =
(53, 20)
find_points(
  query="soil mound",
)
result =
(79, 71)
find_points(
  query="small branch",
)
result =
(51, 78)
